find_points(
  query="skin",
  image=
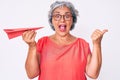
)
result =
(94, 60)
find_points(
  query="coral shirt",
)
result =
(62, 62)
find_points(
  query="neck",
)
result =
(63, 38)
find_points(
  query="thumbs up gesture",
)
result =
(97, 36)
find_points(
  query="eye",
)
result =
(67, 16)
(57, 16)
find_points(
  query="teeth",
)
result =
(62, 27)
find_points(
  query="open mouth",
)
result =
(62, 27)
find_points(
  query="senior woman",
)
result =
(62, 56)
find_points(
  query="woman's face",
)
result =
(62, 20)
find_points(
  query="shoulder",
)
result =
(84, 45)
(42, 41)
(81, 40)
(44, 38)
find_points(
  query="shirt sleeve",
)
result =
(87, 50)
(40, 44)
(86, 47)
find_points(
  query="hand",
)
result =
(97, 36)
(29, 37)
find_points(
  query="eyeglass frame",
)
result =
(62, 16)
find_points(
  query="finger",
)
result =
(29, 34)
(24, 35)
(32, 35)
(98, 32)
(101, 32)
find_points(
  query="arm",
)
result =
(32, 60)
(94, 60)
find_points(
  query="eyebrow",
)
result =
(59, 12)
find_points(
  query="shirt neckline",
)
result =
(56, 45)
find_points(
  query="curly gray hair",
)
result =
(59, 4)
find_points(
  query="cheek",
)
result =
(54, 23)
(70, 23)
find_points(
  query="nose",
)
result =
(62, 18)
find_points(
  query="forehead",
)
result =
(62, 10)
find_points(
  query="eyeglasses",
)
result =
(66, 17)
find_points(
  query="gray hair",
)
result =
(57, 4)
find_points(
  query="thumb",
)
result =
(104, 31)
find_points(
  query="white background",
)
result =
(93, 14)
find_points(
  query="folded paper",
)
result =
(12, 33)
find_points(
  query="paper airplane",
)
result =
(12, 33)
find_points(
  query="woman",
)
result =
(62, 56)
